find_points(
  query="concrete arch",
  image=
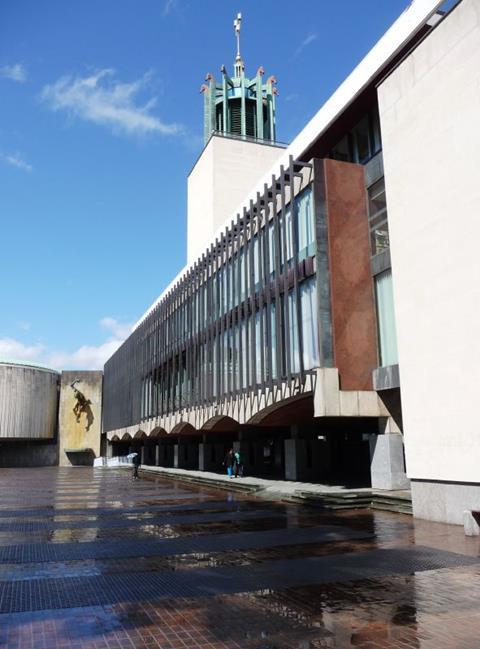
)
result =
(140, 434)
(183, 428)
(115, 438)
(294, 410)
(157, 433)
(126, 437)
(221, 423)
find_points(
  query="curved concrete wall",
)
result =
(28, 402)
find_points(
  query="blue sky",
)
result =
(100, 123)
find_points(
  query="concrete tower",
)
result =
(239, 106)
(239, 133)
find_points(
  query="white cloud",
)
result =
(11, 349)
(16, 160)
(305, 43)
(24, 325)
(116, 328)
(101, 99)
(85, 357)
(16, 72)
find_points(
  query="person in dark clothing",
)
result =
(238, 464)
(136, 464)
(229, 462)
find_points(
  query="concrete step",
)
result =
(358, 500)
(392, 502)
(235, 484)
(396, 509)
(336, 501)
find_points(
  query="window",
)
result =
(342, 150)
(387, 336)
(306, 228)
(375, 126)
(361, 140)
(286, 241)
(293, 333)
(377, 216)
(308, 300)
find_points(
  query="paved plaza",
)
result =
(92, 560)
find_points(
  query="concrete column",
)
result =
(387, 465)
(157, 454)
(176, 455)
(297, 452)
(210, 456)
(184, 456)
(109, 449)
(202, 460)
(143, 454)
(294, 459)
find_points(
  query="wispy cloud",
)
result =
(293, 96)
(87, 357)
(16, 72)
(117, 329)
(103, 100)
(24, 325)
(305, 43)
(16, 160)
(169, 6)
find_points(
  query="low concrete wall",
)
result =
(442, 501)
(26, 454)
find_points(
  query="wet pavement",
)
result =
(91, 560)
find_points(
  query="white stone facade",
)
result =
(429, 108)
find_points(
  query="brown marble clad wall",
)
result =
(353, 309)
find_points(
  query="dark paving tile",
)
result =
(57, 513)
(38, 594)
(303, 580)
(34, 553)
(25, 527)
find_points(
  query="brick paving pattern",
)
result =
(91, 560)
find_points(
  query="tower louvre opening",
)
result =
(240, 106)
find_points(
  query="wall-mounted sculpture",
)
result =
(82, 405)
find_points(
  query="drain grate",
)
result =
(40, 552)
(40, 594)
(24, 527)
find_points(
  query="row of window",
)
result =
(362, 142)
(246, 355)
(246, 271)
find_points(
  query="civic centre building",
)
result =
(315, 327)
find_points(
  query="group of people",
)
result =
(233, 463)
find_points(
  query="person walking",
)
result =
(136, 465)
(229, 462)
(238, 464)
